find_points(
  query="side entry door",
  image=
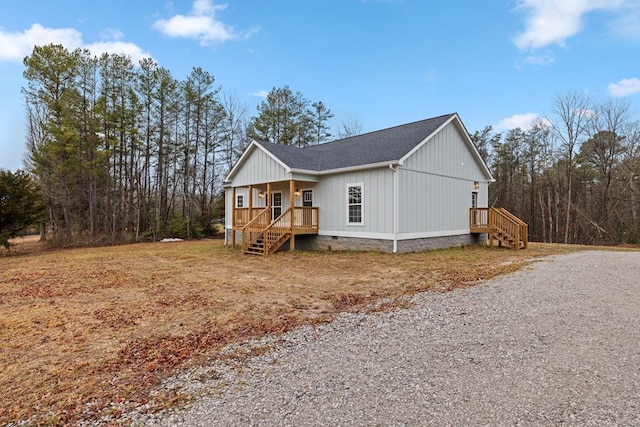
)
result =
(307, 198)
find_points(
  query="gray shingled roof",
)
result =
(386, 145)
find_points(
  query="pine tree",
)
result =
(20, 204)
(285, 118)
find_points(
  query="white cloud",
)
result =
(261, 94)
(112, 43)
(554, 21)
(112, 34)
(200, 24)
(15, 46)
(625, 87)
(118, 47)
(626, 25)
(546, 59)
(522, 121)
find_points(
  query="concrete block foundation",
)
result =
(337, 243)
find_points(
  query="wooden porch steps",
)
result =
(257, 246)
(263, 237)
(500, 225)
(509, 241)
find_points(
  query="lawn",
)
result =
(82, 329)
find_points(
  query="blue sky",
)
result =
(380, 62)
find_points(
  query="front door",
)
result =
(474, 204)
(307, 198)
(276, 205)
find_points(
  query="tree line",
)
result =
(573, 176)
(126, 152)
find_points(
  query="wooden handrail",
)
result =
(511, 216)
(275, 231)
(523, 229)
(253, 228)
(510, 225)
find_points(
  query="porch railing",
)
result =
(242, 216)
(305, 218)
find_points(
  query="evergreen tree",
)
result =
(285, 118)
(52, 91)
(320, 115)
(20, 204)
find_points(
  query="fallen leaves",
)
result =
(86, 332)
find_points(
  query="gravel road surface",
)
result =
(555, 344)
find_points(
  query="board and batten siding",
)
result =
(330, 194)
(435, 186)
(259, 168)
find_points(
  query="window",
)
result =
(240, 201)
(354, 204)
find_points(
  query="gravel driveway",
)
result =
(556, 344)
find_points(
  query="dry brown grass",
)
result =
(83, 328)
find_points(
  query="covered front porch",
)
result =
(265, 216)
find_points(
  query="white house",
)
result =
(417, 186)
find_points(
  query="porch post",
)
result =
(233, 218)
(269, 200)
(250, 203)
(292, 184)
(490, 221)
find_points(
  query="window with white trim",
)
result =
(355, 206)
(240, 201)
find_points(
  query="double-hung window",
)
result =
(355, 206)
(240, 201)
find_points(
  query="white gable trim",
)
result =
(254, 144)
(466, 137)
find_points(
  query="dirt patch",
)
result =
(82, 329)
